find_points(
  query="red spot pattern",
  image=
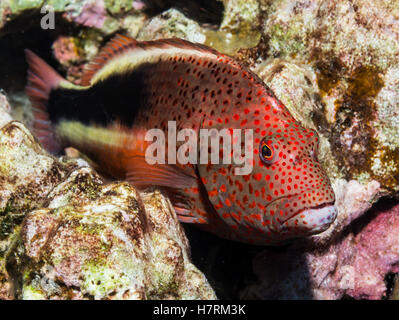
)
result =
(250, 208)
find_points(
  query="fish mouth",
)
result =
(306, 221)
(317, 218)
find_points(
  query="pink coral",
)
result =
(354, 265)
(93, 14)
(138, 5)
(375, 254)
(66, 51)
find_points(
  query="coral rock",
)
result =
(4, 111)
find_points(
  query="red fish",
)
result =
(132, 87)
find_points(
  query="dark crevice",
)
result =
(24, 32)
(208, 13)
(389, 280)
(226, 264)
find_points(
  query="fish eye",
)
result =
(267, 152)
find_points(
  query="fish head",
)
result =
(299, 199)
(286, 195)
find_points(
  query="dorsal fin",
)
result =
(115, 46)
(120, 45)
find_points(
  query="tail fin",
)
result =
(41, 80)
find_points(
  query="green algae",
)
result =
(21, 5)
(100, 279)
(61, 5)
(31, 292)
(87, 186)
(17, 6)
(366, 158)
(119, 6)
(7, 209)
(8, 224)
(110, 26)
(286, 41)
(163, 285)
(164, 272)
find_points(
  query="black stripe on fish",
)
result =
(117, 98)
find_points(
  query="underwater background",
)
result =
(68, 233)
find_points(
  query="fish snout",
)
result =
(290, 220)
(313, 220)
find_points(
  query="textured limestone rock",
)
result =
(104, 242)
(27, 174)
(172, 23)
(172, 274)
(4, 284)
(4, 110)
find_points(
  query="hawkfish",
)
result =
(132, 87)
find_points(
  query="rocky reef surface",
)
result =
(333, 63)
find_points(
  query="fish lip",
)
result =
(321, 206)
